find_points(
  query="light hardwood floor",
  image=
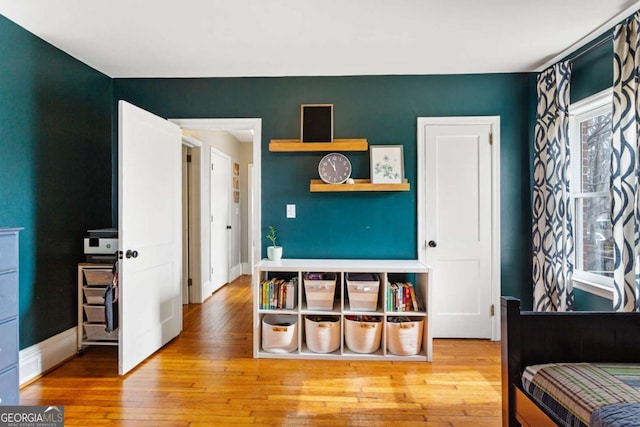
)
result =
(207, 377)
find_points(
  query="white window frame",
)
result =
(585, 109)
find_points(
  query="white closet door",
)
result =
(220, 223)
(459, 229)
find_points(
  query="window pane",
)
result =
(597, 239)
(596, 153)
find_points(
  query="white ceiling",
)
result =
(215, 38)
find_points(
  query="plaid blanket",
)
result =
(573, 391)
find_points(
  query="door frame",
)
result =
(250, 214)
(193, 230)
(494, 123)
(255, 126)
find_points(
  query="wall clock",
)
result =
(334, 168)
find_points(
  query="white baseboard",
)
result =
(45, 355)
(236, 271)
(208, 289)
(246, 269)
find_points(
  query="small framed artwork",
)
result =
(387, 164)
(236, 169)
(316, 122)
(236, 197)
(236, 183)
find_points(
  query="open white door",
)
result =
(150, 235)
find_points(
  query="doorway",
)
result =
(191, 262)
(459, 224)
(249, 194)
(187, 223)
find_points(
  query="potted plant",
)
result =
(274, 252)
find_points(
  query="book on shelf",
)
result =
(278, 294)
(402, 297)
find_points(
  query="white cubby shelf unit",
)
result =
(388, 272)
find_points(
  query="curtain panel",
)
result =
(553, 248)
(625, 216)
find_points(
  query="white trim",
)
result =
(190, 141)
(494, 122)
(195, 256)
(585, 109)
(590, 37)
(251, 231)
(235, 271)
(246, 269)
(218, 124)
(597, 100)
(602, 291)
(46, 355)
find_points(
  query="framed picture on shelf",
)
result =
(387, 164)
(316, 122)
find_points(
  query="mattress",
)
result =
(578, 393)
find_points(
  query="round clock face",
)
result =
(334, 168)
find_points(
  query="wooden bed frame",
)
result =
(530, 338)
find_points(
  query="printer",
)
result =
(101, 246)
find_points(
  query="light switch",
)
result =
(291, 211)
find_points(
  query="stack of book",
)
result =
(401, 296)
(278, 294)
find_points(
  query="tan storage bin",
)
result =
(94, 313)
(404, 336)
(280, 333)
(96, 332)
(322, 333)
(97, 277)
(94, 295)
(320, 293)
(362, 336)
(363, 291)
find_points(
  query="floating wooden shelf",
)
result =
(318, 185)
(290, 145)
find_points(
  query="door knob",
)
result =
(131, 254)
(432, 244)
(228, 227)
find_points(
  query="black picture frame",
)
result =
(316, 122)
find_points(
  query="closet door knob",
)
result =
(432, 244)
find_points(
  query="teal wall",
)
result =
(585, 301)
(593, 71)
(55, 171)
(382, 109)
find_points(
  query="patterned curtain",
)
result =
(625, 216)
(552, 210)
